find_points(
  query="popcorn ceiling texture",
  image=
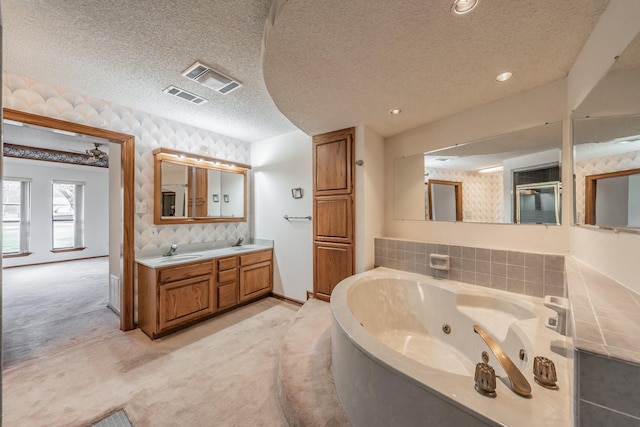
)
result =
(24, 94)
(599, 165)
(482, 199)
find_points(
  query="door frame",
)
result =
(127, 160)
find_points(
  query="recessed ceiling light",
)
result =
(395, 111)
(460, 7)
(504, 76)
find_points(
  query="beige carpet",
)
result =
(49, 307)
(221, 372)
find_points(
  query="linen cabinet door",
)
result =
(333, 262)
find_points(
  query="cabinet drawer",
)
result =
(227, 276)
(255, 257)
(227, 295)
(227, 263)
(185, 271)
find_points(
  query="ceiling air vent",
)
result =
(187, 96)
(210, 78)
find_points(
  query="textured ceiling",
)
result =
(332, 64)
(329, 64)
(127, 52)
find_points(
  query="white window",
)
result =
(68, 215)
(16, 215)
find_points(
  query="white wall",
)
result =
(545, 104)
(278, 165)
(96, 208)
(370, 197)
(614, 254)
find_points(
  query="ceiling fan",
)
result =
(96, 153)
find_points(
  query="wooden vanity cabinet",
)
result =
(178, 295)
(173, 296)
(227, 283)
(256, 274)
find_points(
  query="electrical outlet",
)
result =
(153, 232)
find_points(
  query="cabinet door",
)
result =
(332, 160)
(255, 280)
(227, 295)
(332, 263)
(185, 300)
(333, 216)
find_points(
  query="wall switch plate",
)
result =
(153, 232)
(141, 208)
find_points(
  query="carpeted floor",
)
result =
(221, 372)
(49, 307)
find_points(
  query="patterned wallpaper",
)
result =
(151, 132)
(598, 165)
(482, 199)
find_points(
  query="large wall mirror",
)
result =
(606, 148)
(514, 178)
(191, 188)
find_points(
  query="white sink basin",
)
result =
(175, 258)
(244, 248)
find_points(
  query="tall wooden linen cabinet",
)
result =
(333, 212)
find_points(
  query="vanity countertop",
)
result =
(200, 255)
(606, 315)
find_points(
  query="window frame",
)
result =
(24, 219)
(77, 220)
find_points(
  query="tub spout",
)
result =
(519, 383)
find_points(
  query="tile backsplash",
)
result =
(519, 272)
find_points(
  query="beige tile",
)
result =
(468, 253)
(469, 277)
(516, 286)
(455, 251)
(483, 254)
(553, 278)
(515, 272)
(623, 341)
(588, 331)
(499, 270)
(469, 265)
(483, 279)
(515, 258)
(533, 289)
(498, 256)
(554, 262)
(455, 274)
(483, 267)
(499, 282)
(533, 275)
(619, 326)
(534, 261)
(557, 291)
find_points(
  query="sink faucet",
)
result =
(239, 241)
(519, 383)
(172, 250)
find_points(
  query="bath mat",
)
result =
(116, 419)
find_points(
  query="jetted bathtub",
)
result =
(404, 353)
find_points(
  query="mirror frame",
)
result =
(203, 162)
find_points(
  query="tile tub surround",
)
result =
(519, 272)
(606, 333)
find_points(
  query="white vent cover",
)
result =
(210, 78)
(187, 96)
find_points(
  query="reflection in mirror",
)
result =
(175, 178)
(193, 188)
(606, 147)
(445, 200)
(489, 170)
